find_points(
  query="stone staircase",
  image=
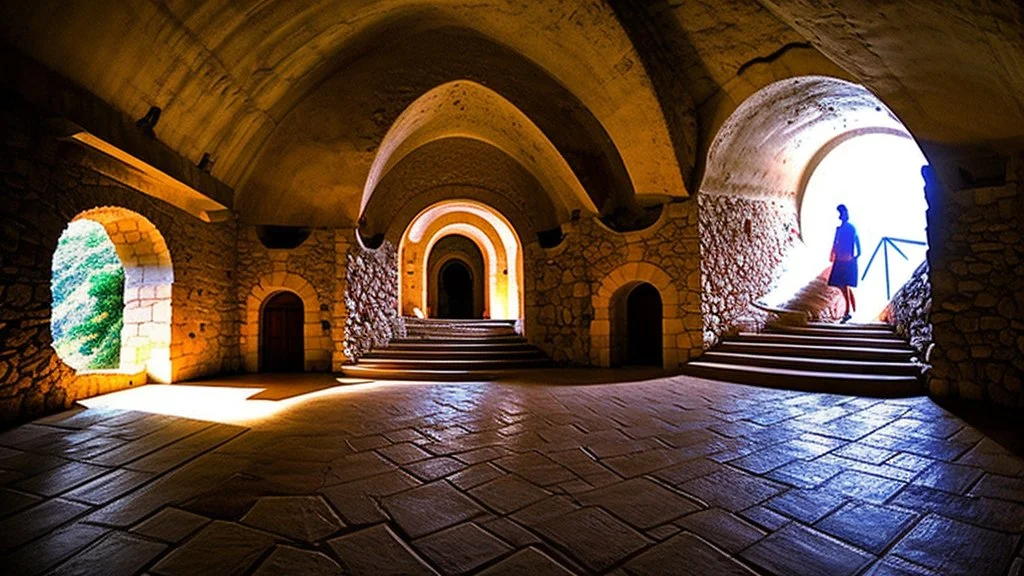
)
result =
(435, 349)
(863, 359)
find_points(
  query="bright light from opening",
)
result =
(878, 177)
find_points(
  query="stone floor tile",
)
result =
(689, 470)
(475, 475)
(987, 455)
(221, 548)
(109, 487)
(867, 526)
(46, 552)
(430, 508)
(508, 494)
(732, 489)
(62, 478)
(807, 506)
(404, 435)
(1001, 487)
(527, 561)
(640, 502)
(481, 455)
(685, 555)
(949, 477)
(461, 549)
(864, 453)
(663, 532)
(301, 518)
(798, 550)
(12, 501)
(804, 474)
(356, 466)
(31, 463)
(403, 453)
(535, 468)
(593, 537)
(367, 443)
(989, 513)
(641, 463)
(116, 554)
(36, 521)
(919, 445)
(883, 470)
(951, 547)
(727, 531)
(171, 525)
(285, 561)
(377, 551)
(434, 468)
(511, 532)
(895, 566)
(357, 501)
(177, 430)
(764, 461)
(911, 462)
(860, 486)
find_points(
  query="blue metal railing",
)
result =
(884, 244)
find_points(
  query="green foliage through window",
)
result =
(88, 298)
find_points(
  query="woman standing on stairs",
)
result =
(845, 251)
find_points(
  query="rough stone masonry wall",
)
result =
(562, 282)
(743, 242)
(909, 312)
(263, 271)
(39, 195)
(977, 270)
(370, 297)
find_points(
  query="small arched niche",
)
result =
(281, 333)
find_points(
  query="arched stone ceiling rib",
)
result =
(467, 109)
(227, 72)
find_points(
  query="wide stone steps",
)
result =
(865, 359)
(450, 350)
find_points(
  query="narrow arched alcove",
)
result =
(456, 292)
(281, 333)
(643, 327)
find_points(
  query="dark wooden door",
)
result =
(643, 326)
(281, 338)
(455, 291)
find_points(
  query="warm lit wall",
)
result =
(42, 191)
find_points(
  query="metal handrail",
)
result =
(884, 244)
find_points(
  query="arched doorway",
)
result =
(455, 291)
(281, 337)
(643, 327)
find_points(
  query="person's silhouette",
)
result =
(845, 251)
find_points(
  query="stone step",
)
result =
(423, 375)
(800, 339)
(851, 326)
(453, 364)
(835, 332)
(813, 364)
(837, 382)
(459, 344)
(816, 351)
(455, 353)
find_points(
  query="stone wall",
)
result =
(977, 272)
(371, 298)
(909, 312)
(41, 191)
(743, 242)
(308, 270)
(568, 287)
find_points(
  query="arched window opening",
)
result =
(111, 286)
(87, 285)
(281, 334)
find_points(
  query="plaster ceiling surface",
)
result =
(227, 72)
(765, 147)
(952, 69)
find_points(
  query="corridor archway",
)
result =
(487, 233)
(281, 333)
(456, 274)
(455, 291)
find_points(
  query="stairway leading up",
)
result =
(436, 349)
(864, 359)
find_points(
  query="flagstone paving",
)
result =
(672, 475)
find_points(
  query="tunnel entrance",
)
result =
(455, 291)
(281, 340)
(643, 327)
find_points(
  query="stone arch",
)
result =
(317, 343)
(477, 267)
(149, 277)
(611, 293)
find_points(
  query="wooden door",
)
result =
(281, 337)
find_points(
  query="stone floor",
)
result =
(672, 475)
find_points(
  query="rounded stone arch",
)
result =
(611, 295)
(148, 278)
(478, 275)
(316, 345)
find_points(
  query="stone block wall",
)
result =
(41, 191)
(370, 298)
(909, 312)
(743, 243)
(569, 288)
(308, 270)
(977, 272)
